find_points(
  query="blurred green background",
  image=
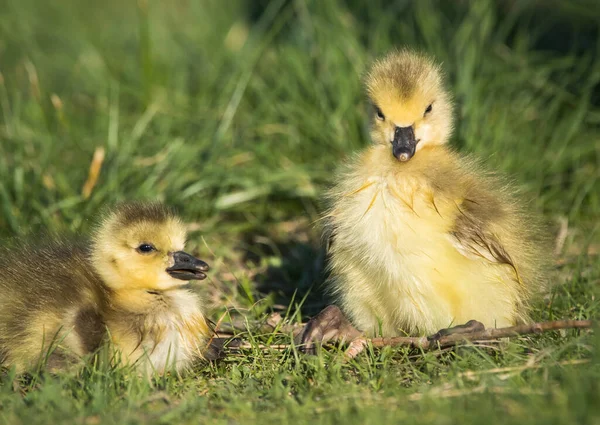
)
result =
(238, 113)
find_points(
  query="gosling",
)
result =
(423, 238)
(126, 287)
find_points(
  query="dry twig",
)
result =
(357, 346)
(490, 333)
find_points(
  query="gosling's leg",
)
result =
(330, 324)
(470, 327)
(216, 349)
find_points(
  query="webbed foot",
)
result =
(470, 327)
(330, 325)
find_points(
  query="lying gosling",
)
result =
(421, 237)
(127, 285)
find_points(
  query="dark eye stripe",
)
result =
(429, 108)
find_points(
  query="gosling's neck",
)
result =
(143, 301)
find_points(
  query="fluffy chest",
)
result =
(173, 334)
(180, 332)
(392, 224)
(394, 258)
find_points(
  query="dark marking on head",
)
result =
(403, 70)
(134, 212)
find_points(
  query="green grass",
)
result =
(237, 113)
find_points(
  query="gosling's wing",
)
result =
(473, 235)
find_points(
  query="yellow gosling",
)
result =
(61, 300)
(422, 238)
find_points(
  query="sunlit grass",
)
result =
(237, 114)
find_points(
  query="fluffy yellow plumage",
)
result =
(61, 300)
(421, 237)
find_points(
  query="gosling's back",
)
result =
(49, 296)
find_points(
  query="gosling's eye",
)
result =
(428, 110)
(380, 115)
(146, 248)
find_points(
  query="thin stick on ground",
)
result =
(490, 333)
(357, 346)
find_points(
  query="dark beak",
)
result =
(404, 143)
(187, 267)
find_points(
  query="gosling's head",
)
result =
(411, 108)
(140, 246)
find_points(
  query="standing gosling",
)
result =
(421, 237)
(61, 300)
